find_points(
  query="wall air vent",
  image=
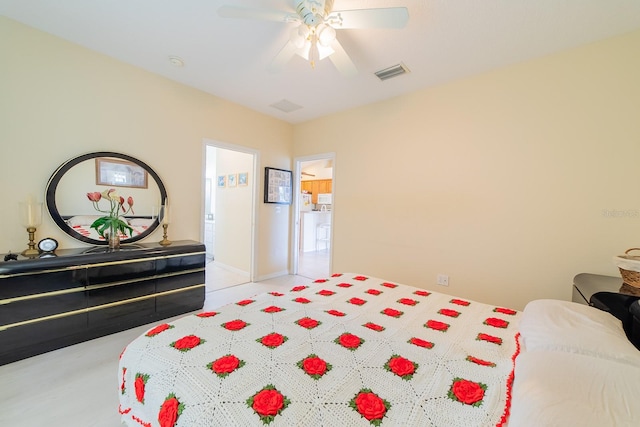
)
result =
(393, 71)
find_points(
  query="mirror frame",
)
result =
(52, 186)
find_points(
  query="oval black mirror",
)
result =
(73, 212)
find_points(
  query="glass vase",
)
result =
(113, 238)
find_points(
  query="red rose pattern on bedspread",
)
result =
(353, 325)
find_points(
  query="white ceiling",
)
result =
(443, 40)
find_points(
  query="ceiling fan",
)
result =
(314, 35)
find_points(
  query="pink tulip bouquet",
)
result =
(112, 222)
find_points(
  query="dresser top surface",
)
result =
(97, 254)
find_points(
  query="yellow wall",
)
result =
(59, 100)
(510, 182)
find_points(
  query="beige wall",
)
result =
(59, 100)
(510, 182)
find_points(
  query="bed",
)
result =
(354, 350)
(81, 224)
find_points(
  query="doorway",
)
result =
(313, 215)
(228, 214)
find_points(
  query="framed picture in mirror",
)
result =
(120, 173)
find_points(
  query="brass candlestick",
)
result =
(164, 219)
(165, 241)
(31, 251)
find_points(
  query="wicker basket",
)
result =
(630, 277)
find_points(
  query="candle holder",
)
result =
(31, 215)
(165, 241)
(163, 219)
(31, 251)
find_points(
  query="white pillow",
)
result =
(561, 389)
(575, 328)
(82, 220)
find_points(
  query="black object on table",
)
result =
(624, 307)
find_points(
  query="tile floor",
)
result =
(314, 264)
(310, 264)
(76, 386)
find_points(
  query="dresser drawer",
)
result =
(180, 263)
(177, 281)
(122, 292)
(110, 316)
(39, 337)
(22, 284)
(121, 271)
(180, 302)
(46, 305)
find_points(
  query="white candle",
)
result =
(165, 215)
(31, 212)
(31, 216)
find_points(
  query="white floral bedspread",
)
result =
(351, 350)
(87, 231)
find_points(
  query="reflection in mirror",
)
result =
(100, 249)
(74, 213)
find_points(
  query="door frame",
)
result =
(295, 234)
(254, 194)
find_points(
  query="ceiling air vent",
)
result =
(393, 71)
(286, 106)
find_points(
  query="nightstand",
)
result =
(586, 284)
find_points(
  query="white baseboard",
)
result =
(272, 275)
(231, 269)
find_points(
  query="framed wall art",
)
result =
(120, 173)
(243, 178)
(231, 180)
(277, 186)
(222, 181)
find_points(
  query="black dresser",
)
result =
(79, 294)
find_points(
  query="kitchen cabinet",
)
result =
(317, 186)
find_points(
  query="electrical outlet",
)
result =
(443, 280)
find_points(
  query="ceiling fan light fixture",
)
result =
(308, 16)
(308, 51)
(314, 53)
(314, 35)
(326, 34)
(324, 52)
(298, 36)
(303, 52)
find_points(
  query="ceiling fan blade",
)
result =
(238, 12)
(390, 17)
(342, 61)
(284, 56)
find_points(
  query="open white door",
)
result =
(312, 226)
